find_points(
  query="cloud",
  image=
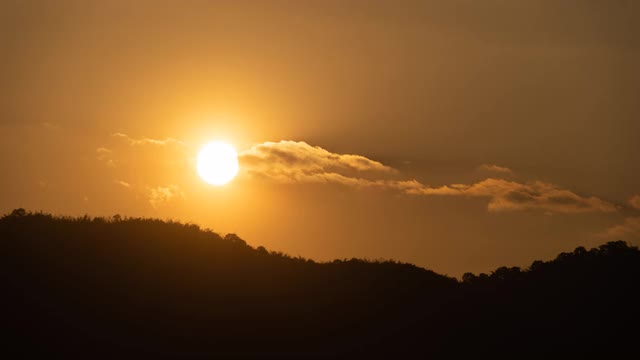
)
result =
(148, 141)
(290, 161)
(123, 183)
(335, 178)
(630, 228)
(506, 195)
(49, 126)
(163, 194)
(153, 162)
(42, 184)
(297, 161)
(495, 168)
(105, 155)
(634, 201)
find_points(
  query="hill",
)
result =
(143, 287)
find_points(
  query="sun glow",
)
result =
(217, 163)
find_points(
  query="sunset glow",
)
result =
(320, 179)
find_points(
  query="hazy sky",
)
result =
(483, 133)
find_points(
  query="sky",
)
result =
(457, 135)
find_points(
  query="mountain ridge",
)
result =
(134, 285)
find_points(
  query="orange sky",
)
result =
(486, 133)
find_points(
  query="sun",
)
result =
(217, 163)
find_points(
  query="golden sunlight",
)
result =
(217, 163)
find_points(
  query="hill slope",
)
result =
(93, 286)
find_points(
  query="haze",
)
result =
(483, 133)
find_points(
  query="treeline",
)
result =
(132, 287)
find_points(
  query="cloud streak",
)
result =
(506, 195)
(495, 168)
(123, 184)
(148, 141)
(630, 228)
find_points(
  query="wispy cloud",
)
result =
(162, 194)
(129, 155)
(634, 201)
(123, 184)
(148, 141)
(629, 229)
(49, 126)
(495, 168)
(506, 195)
(105, 155)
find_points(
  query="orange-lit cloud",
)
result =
(506, 195)
(148, 141)
(634, 201)
(495, 168)
(105, 155)
(162, 194)
(49, 126)
(137, 156)
(297, 161)
(290, 161)
(123, 183)
(629, 229)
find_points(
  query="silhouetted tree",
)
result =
(137, 287)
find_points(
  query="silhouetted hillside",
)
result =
(144, 287)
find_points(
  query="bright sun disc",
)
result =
(217, 163)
